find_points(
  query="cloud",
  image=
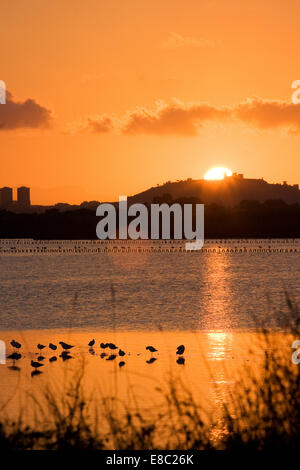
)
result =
(173, 118)
(27, 114)
(92, 125)
(100, 125)
(186, 119)
(176, 41)
(265, 114)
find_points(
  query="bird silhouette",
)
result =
(14, 356)
(103, 345)
(52, 346)
(112, 346)
(91, 343)
(36, 365)
(102, 355)
(53, 359)
(180, 349)
(65, 345)
(151, 349)
(15, 344)
(121, 364)
(40, 346)
(121, 353)
(180, 360)
(41, 358)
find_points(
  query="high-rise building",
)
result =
(24, 196)
(6, 196)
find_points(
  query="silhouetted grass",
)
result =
(263, 411)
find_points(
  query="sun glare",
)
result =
(217, 173)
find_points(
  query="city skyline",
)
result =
(7, 200)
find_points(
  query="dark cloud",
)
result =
(27, 114)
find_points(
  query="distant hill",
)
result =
(228, 192)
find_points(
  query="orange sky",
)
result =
(131, 93)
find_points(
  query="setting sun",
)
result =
(217, 173)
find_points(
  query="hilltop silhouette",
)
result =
(228, 192)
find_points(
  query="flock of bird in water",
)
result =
(115, 352)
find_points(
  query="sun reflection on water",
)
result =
(219, 345)
(217, 293)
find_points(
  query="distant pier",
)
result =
(48, 247)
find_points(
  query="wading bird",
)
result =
(180, 361)
(15, 344)
(14, 356)
(40, 346)
(180, 349)
(112, 346)
(52, 346)
(121, 364)
(91, 343)
(121, 353)
(151, 349)
(65, 345)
